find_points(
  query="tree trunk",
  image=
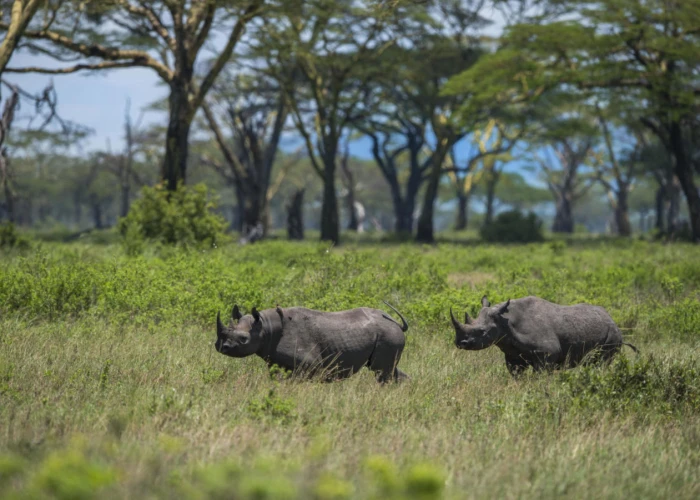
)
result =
(659, 208)
(124, 210)
(490, 198)
(622, 220)
(673, 198)
(684, 172)
(462, 211)
(426, 231)
(7, 189)
(563, 220)
(96, 213)
(295, 216)
(254, 204)
(330, 226)
(353, 222)
(177, 137)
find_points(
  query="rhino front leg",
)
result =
(516, 365)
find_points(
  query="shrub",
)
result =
(182, 217)
(9, 237)
(513, 227)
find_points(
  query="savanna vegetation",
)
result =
(422, 152)
(111, 385)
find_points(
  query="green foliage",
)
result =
(182, 217)
(120, 350)
(272, 407)
(9, 238)
(63, 474)
(634, 386)
(513, 227)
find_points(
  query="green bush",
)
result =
(9, 237)
(182, 217)
(513, 227)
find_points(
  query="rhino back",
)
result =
(345, 339)
(550, 327)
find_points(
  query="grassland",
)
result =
(110, 385)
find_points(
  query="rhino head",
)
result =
(242, 337)
(488, 328)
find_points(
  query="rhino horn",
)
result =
(485, 302)
(454, 320)
(467, 319)
(219, 325)
(236, 313)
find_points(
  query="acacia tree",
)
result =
(331, 45)
(167, 36)
(448, 57)
(561, 167)
(255, 113)
(492, 146)
(618, 175)
(644, 52)
(396, 147)
(20, 15)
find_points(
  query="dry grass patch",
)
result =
(474, 279)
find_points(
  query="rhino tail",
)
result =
(636, 351)
(404, 327)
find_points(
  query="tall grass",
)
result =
(110, 385)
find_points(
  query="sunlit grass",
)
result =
(109, 381)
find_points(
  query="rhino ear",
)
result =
(485, 302)
(255, 314)
(504, 308)
(236, 313)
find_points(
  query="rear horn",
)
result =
(219, 325)
(454, 320)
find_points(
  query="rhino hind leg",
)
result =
(384, 363)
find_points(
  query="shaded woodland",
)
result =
(425, 116)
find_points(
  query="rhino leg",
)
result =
(516, 365)
(400, 376)
(384, 363)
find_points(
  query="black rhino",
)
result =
(535, 332)
(331, 344)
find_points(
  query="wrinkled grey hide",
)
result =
(535, 332)
(329, 344)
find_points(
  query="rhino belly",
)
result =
(322, 357)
